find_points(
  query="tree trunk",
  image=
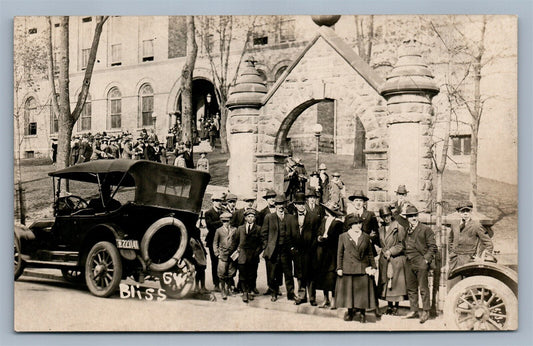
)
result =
(473, 165)
(65, 125)
(186, 82)
(223, 126)
(476, 117)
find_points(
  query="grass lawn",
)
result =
(497, 200)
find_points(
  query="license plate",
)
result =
(128, 244)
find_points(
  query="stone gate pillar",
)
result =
(409, 89)
(244, 103)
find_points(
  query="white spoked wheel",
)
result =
(481, 303)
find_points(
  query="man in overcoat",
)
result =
(269, 197)
(420, 249)
(248, 244)
(312, 205)
(304, 243)
(467, 238)
(213, 222)
(276, 235)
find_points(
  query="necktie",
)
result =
(462, 225)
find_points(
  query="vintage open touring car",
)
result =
(140, 223)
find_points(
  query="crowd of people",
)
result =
(146, 146)
(355, 257)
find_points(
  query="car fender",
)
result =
(497, 271)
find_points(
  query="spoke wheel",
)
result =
(19, 265)
(103, 269)
(481, 303)
(73, 275)
(178, 281)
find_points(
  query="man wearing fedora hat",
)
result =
(213, 222)
(304, 239)
(467, 238)
(312, 205)
(247, 242)
(398, 207)
(276, 235)
(420, 249)
(269, 197)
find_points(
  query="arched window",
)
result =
(114, 108)
(280, 71)
(30, 119)
(146, 105)
(84, 122)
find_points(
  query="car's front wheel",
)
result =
(481, 303)
(103, 269)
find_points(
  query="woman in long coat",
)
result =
(355, 268)
(391, 281)
(326, 254)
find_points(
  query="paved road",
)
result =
(48, 305)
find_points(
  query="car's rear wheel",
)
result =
(178, 281)
(481, 303)
(19, 265)
(103, 269)
(73, 275)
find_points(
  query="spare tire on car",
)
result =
(164, 243)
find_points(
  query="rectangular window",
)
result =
(30, 154)
(32, 129)
(116, 54)
(115, 114)
(260, 35)
(461, 144)
(54, 123)
(148, 50)
(85, 123)
(87, 19)
(32, 31)
(85, 58)
(147, 110)
(286, 31)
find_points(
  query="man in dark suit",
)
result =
(248, 243)
(237, 219)
(304, 243)
(269, 197)
(324, 183)
(276, 233)
(212, 221)
(420, 249)
(312, 205)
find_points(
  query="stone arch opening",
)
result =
(280, 143)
